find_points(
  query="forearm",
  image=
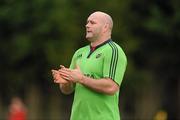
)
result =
(104, 85)
(67, 88)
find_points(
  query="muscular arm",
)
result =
(104, 85)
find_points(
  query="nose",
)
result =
(87, 24)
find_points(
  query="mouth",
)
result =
(88, 31)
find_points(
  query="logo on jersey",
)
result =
(79, 56)
(98, 55)
(89, 75)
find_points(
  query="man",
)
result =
(95, 73)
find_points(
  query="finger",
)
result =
(55, 77)
(64, 73)
(66, 78)
(61, 81)
(54, 71)
(57, 81)
(61, 66)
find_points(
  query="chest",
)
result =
(91, 64)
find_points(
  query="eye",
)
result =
(93, 22)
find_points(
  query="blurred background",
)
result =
(39, 35)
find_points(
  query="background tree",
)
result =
(38, 35)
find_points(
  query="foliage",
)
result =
(39, 35)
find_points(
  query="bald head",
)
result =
(99, 27)
(105, 18)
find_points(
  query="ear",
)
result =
(106, 27)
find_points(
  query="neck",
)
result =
(99, 41)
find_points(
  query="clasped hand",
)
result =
(65, 75)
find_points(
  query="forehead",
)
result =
(94, 17)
